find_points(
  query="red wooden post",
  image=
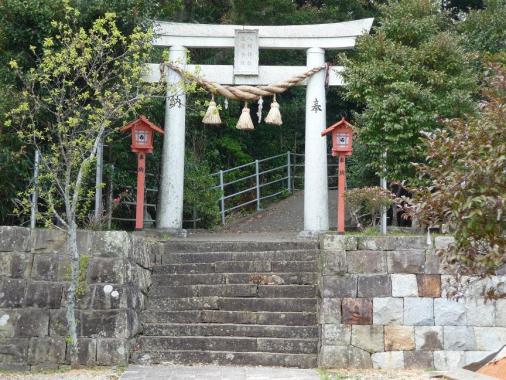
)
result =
(141, 178)
(340, 193)
(342, 138)
(142, 143)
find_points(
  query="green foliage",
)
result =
(467, 182)
(485, 30)
(411, 72)
(365, 204)
(197, 193)
(84, 81)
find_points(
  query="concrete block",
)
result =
(45, 267)
(15, 265)
(112, 351)
(368, 338)
(391, 243)
(429, 285)
(500, 315)
(418, 311)
(366, 262)
(399, 338)
(14, 353)
(336, 334)
(409, 261)
(32, 323)
(330, 310)
(115, 244)
(357, 311)
(339, 286)
(333, 357)
(449, 313)
(106, 270)
(49, 241)
(8, 320)
(459, 338)
(376, 285)
(442, 242)
(58, 322)
(343, 357)
(388, 360)
(490, 338)
(334, 262)
(404, 285)
(334, 242)
(418, 360)
(445, 360)
(388, 311)
(44, 294)
(14, 239)
(480, 312)
(87, 351)
(432, 263)
(12, 292)
(140, 251)
(107, 323)
(428, 338)
(47, 352)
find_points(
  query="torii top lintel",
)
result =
(341, 35)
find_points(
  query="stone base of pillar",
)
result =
(310, 234)
(163, 232)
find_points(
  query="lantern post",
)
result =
(342, 138)
(142, 143)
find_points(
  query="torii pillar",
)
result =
(316, 212)
(170, 210)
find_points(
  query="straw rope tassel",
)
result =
(212, 116)
(274, 115)
(245, 122)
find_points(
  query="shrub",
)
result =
(365, 204)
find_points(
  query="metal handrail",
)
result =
(255, 183)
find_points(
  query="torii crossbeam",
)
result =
(246, 41)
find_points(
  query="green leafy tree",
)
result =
(466, 180)
(485, 29)
(83, 82)
(411, 72)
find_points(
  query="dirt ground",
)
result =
(114, 374)
(81, 374)
(356, 374)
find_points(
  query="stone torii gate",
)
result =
(246, 41)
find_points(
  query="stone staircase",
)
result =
(235, 302)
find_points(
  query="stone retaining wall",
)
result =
(34, 272)
(384, 305)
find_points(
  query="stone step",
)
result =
(234, 304)
(230, 330)
(302, 278)
(221, 343)
(231, 317)
(238, 267)
(227, 358)
(236, 246)
(234, 290)
(211, 257)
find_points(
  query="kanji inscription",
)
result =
(246, 52)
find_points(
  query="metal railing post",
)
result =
(35, 195)
(222, 200)
(289, 171)
(257, 176)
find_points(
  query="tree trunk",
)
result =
(71, 294)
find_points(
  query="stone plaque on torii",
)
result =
(246, 41)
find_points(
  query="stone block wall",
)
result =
(384, 305)
(34, 273)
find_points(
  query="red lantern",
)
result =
(142, 143)
(342, 139)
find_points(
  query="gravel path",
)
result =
(105, 373)
(285, 215)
